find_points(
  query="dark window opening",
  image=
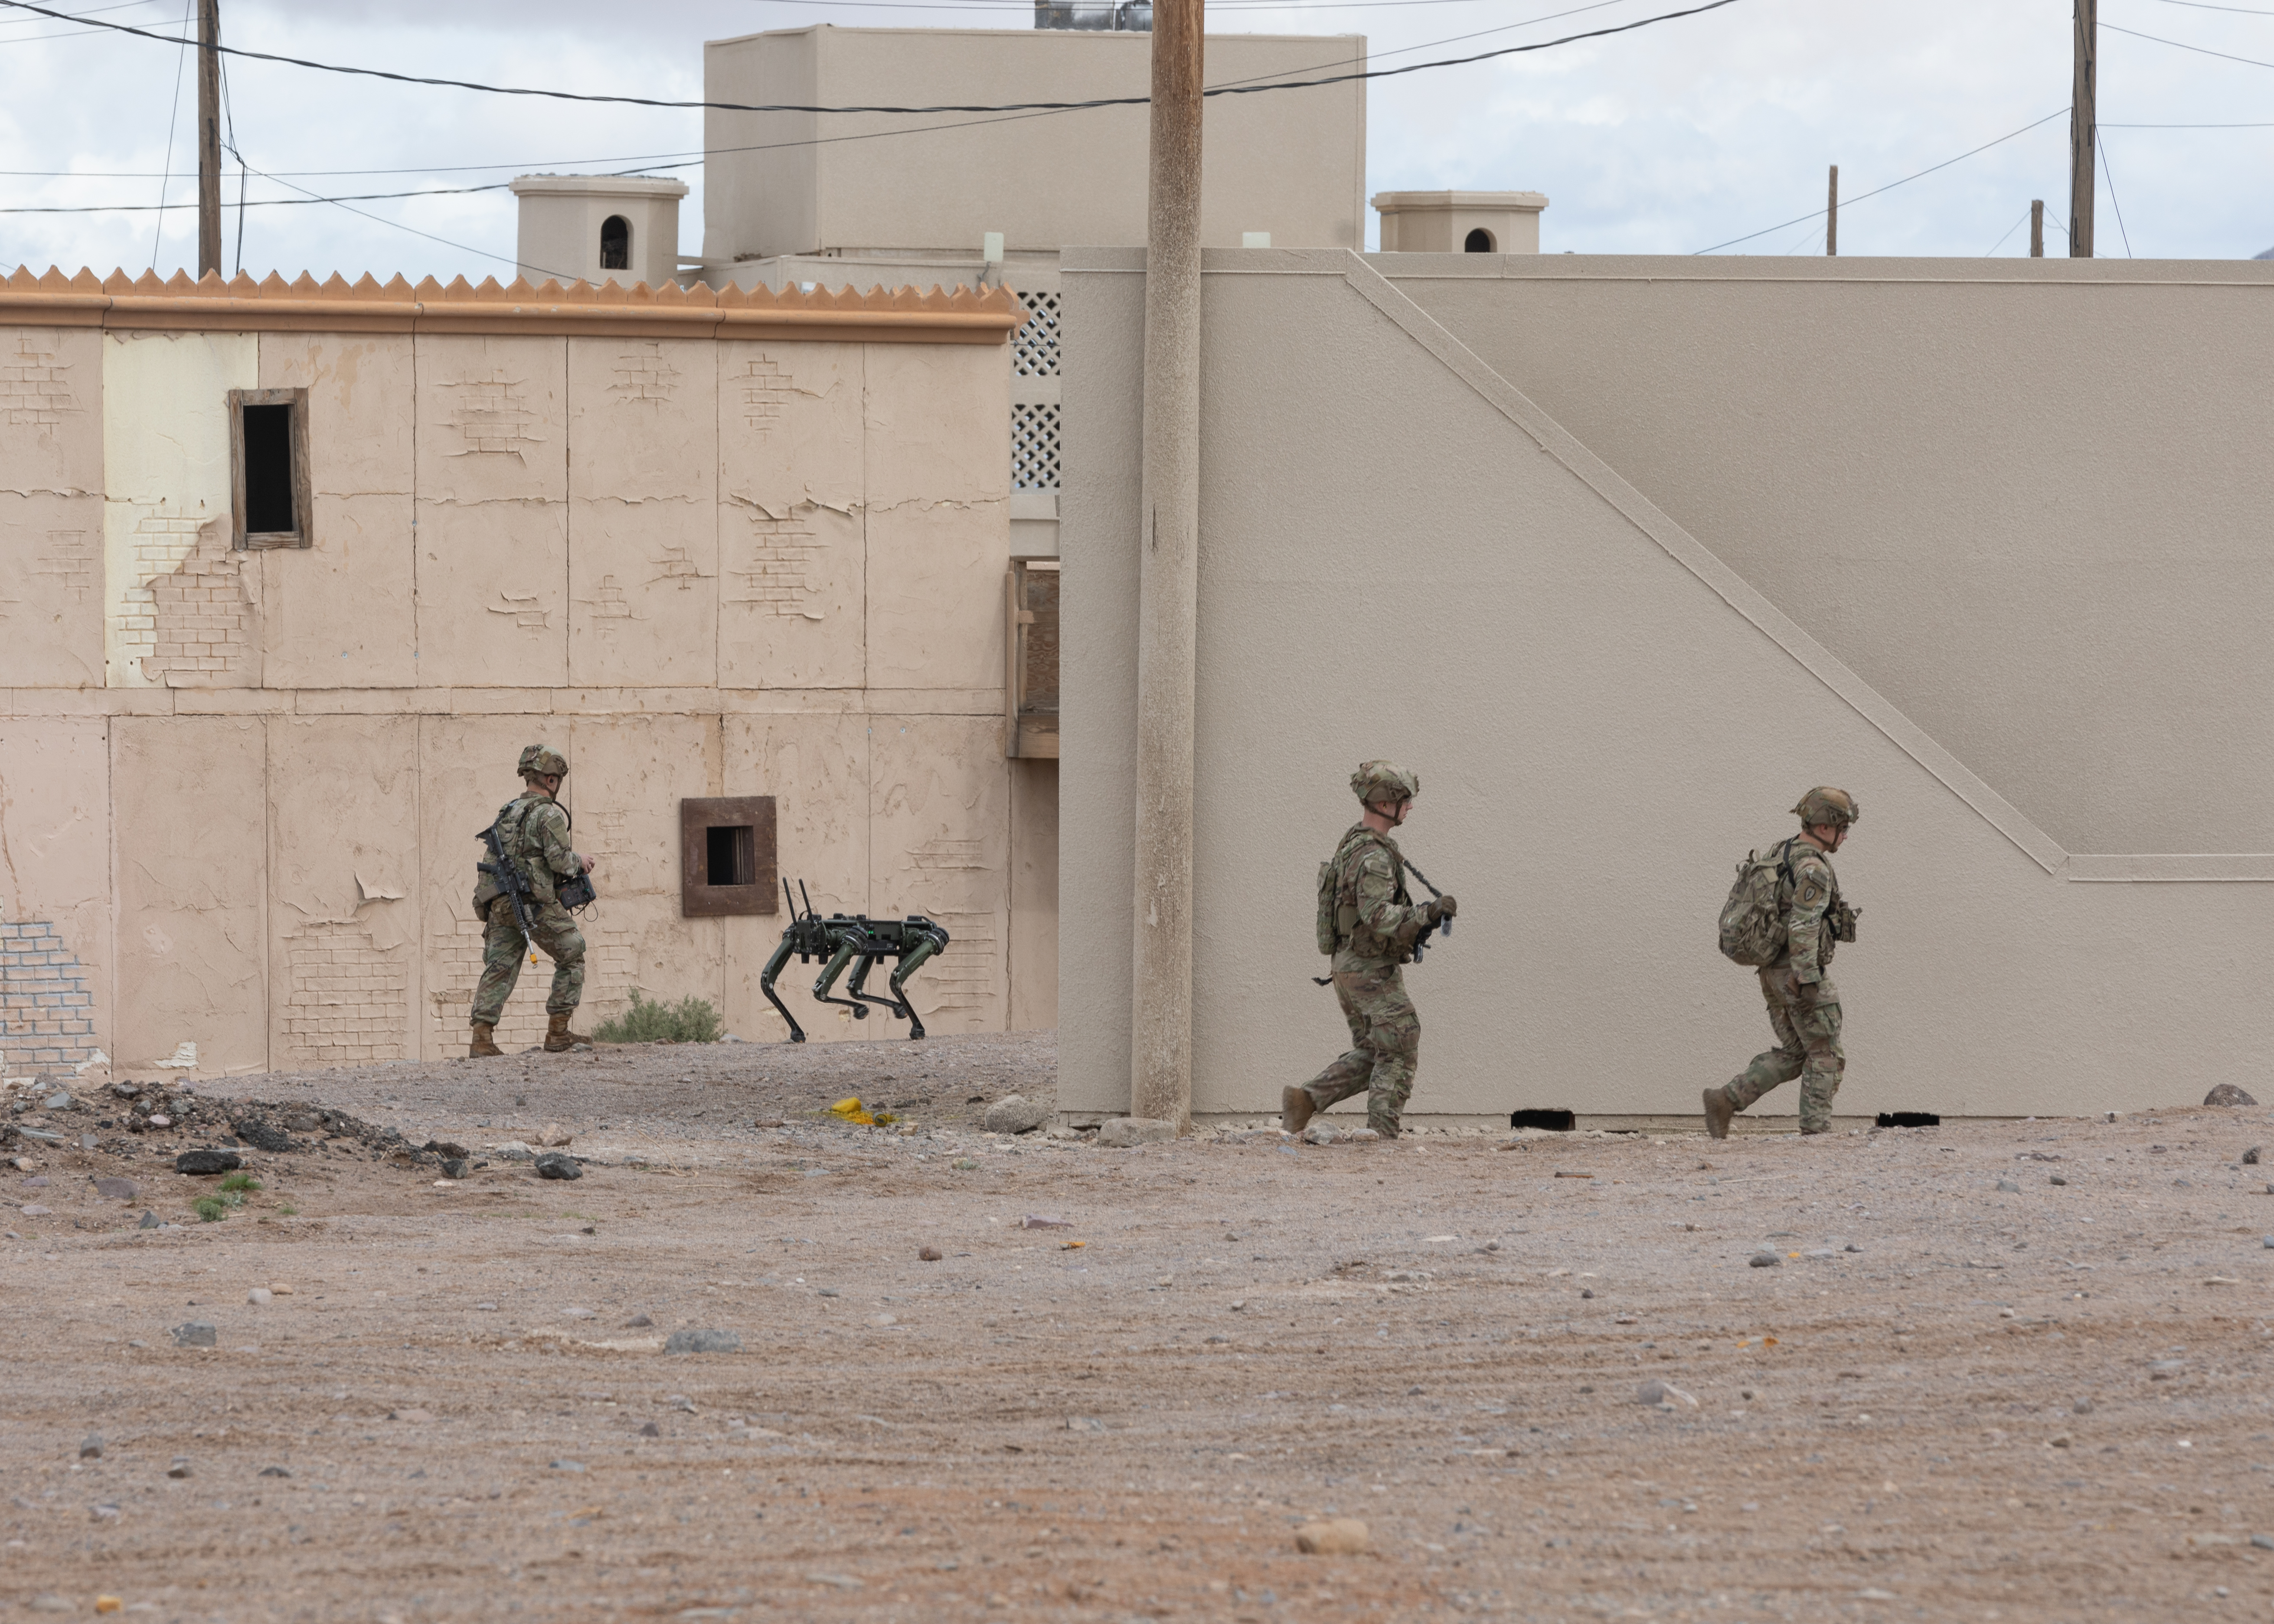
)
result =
(1480, 241)
(270, 490)
(615, 243)
(268, 470)
(731, 855)
(727, 856)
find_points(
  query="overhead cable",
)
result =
(1011, 107)
(1890, 186)
(2153, 39)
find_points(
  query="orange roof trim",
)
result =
(603, 310)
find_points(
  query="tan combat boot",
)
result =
(484, 1042)
(1717, 1113)
(559, 1039)
(1295, 1108)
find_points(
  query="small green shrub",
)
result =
(236, 1183)
(210, 1208)
(690, 1020)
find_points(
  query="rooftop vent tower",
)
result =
(1095, 16)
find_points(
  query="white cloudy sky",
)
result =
(1667, 140)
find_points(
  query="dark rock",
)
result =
(150, 1221)
(179, 1469)
(207, 1161)
(928, 1254)
(1765, 1259)
(649, 1429)
(638, 1322)
(2227, 1094)
(117, 1189)
(553, 1164)
(447, 1149)
(703, 1341)
(275, 1471)
(262, 1136)
(92, 1450)
(197, 1334)
(2250, 1156)
(454, 1166)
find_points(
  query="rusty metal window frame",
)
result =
(698, 815)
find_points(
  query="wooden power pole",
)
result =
(2037, 228)
(1832, 217)
(1161, 1028)
(2083, 128)
(209, 137)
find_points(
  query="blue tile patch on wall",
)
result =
(47, 1013)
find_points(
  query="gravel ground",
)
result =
(1999, 1371)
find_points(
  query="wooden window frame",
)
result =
(698, 899)
(1027, 735)
(303, 491)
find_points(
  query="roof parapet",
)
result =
(606, 309)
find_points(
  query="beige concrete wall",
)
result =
(1289, 162)
(2065, 458)
(1605, 716)
(699, 566)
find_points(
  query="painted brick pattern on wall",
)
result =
(199, 613)
(47, 1014)
(350, 1000)
(779, 567)
(163, 539)
(35, 388)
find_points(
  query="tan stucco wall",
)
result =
(1403, 556)
(1293, 162)
(700, 565)
(2028, 500)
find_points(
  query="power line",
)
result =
(2198, 5)
(173, 116)
(1891, 185)
(1012, 107)
(2001, 242)
(398, 225)
(2202, 50)
(2109, 175)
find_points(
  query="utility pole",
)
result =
(2037, 228)
(1160, 1027)
(1832, 218)
(2083, 128)
(209, 137)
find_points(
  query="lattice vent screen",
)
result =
(1034, 446)
(1034, 346)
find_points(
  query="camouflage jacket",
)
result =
(1373, 917)
(533, 827)
(1809, 897)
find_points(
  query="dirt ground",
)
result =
(1999, 1370)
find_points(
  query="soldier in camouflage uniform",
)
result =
(1375, 925)
(533, 829)
(1803, 1005)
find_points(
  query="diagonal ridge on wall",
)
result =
(1692, 554)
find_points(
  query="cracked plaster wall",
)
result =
(700, 568)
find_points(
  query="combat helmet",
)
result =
(1826, 804)
(542, 761)
(1384, 781)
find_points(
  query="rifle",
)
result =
(855, 939)
(509, 876)
(1444, 926)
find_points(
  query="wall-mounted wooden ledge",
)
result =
(577, 309)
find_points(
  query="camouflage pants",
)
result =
(503, 946)
(1806, 1018)
(1386, 1035)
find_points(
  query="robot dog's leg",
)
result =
(766, 986)
(910, 962)
(859, 981)
(828, 979)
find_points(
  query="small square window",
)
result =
(727, 856)
(268, 468)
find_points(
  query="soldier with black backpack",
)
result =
(1782, 917)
